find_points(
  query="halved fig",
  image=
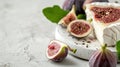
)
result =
(57, 51)
(79, 28)
(68, 18)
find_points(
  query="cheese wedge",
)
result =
(105, 18)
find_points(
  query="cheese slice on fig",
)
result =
(105, 18)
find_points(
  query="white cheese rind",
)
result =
(105, 33)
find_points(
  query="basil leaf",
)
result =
(118, 49)
(54, 14)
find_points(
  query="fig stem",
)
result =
(73, 9)
(104, 47)
(71, 49)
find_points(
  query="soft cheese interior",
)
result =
(106, 33)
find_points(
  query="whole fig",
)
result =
(103, 58)
(67, 5)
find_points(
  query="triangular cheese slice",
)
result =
(105, 18)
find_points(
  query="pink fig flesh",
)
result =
(53, 48)
(79, 28)
(106, 14)
(57, 51)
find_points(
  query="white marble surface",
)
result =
(25, 34)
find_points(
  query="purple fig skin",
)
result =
(58, 51)
(103, 58)
(61, 56)
(67, 5)
(79, 4)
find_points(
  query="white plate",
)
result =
(84, 48)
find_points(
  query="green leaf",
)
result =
(54, 14)
(81, 16)
(118, 49)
